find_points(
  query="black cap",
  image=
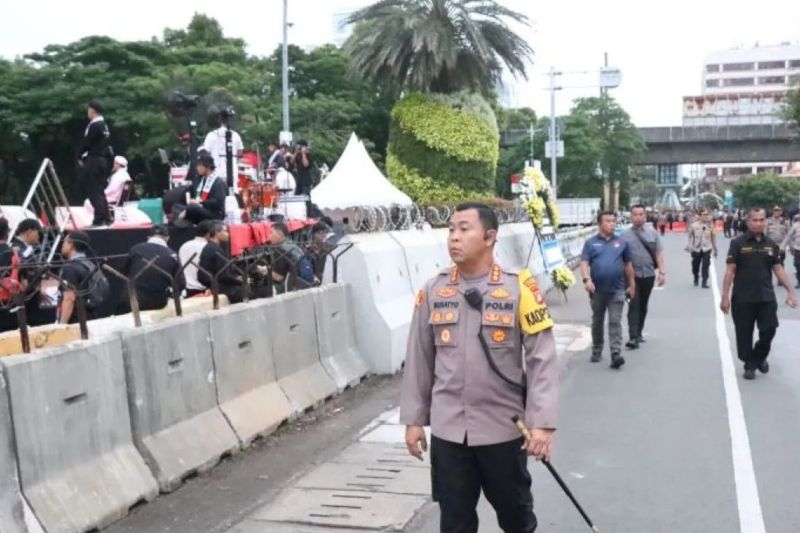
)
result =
(302, 142)
(206, 160)
(161, 230)
(79, 236)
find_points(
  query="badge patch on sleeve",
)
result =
(420, 298)
(533, 313)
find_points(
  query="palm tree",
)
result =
(436, 45)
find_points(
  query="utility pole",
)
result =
(285, 66)
(531, 131)
(553, 147)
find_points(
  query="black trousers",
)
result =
(93, 178)
(459, 473)
(197, 213)
(727, 230)
(797, 264)
(699, 258)
(637, 308)
(747, 315)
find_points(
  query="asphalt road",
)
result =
(650, 448)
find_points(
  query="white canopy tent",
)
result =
(355, 181)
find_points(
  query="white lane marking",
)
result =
(751, 520)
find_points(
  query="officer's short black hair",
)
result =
(27, 225)
(756, 209)
(3, 229)
(97, 106)
(320, 226)
(282, 227)
(205, 159)
(215, 227)
(606, 213)
(486, 214)
(638, 206)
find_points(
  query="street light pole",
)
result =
(553, 148)
(285, 66)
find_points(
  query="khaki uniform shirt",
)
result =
(701, 236)
(792, 238)
(448, 382)
(777, 229)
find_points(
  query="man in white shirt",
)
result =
(215, 145)
(194, 247)
(116, 184)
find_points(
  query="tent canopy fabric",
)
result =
(355, 181)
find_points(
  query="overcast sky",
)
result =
(659, 46)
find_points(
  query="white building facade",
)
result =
(744, 86)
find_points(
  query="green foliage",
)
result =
(43, 98)
(436, 45)
(515, 119)
(456, 133)
(792, 109)
(766, 190)
(425, 190)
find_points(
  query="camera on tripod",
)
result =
(183, 104)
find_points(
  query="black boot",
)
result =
(696, 281)
(617, 361)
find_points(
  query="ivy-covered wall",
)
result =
(443, 148)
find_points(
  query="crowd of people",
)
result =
(626, 267)
(159, 273)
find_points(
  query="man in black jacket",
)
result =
(153, 288)
(209, 199)
(94, 157)
(213, 260)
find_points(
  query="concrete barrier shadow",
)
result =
(177, 424)
(295, 347)
(338, 352)
(78, 466)
(247, 389)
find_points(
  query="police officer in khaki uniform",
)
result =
(777, 229)
(702, 242)
(792, 242)
(465, 378)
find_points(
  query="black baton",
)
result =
(524, 431)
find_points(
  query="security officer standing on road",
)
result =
(702, 242)
(752, 259)
(792, 242)
(777, 229)
(464, 377)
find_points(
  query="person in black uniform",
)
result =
(94, 157)
(752, 259)
(75, 276)
(209, 199)
(153, 288)
(213, 259)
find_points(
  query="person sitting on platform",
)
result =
(153, 287)
(118, 180)
(194, 248)
(213, 263)
(76, 275)
(209, 200)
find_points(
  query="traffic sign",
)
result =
(559, 149)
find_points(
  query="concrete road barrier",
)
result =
(338, 352)
(12, 511)
(425, 254)
(248, 392)
(507, 252)
(78, 466)
(383, 298)
(295, 347)
(177, 425)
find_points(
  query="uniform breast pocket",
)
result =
(498, 328)
(445, 326)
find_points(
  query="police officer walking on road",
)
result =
(702, 242)
(752, 259)
(465, 378)
(792, 242)
(647, 256)
(777, 229)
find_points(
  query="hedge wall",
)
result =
(443, 153)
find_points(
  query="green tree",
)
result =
(792, 109)
(765, 190)
(436, 45)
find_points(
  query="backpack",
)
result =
(305, 269)
(97, 287)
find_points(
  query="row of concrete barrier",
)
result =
(94, 427)
(385, 270)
